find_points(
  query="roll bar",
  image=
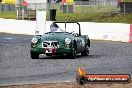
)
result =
(70, 22)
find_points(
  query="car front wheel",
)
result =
(34, 55)
(85, 52)
(72, 55)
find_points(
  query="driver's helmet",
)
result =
(75, 34)
(54, 27)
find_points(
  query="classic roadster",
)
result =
(60, 42)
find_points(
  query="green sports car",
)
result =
(60, 42)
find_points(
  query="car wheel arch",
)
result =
(88, 42)
(74, 44)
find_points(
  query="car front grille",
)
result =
(50, 44)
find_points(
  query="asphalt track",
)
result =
(16, 66)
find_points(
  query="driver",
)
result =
(55, 28)
(75, 34)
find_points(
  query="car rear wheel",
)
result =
(34, 55)
(85, 52)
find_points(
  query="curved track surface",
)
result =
(16, 66)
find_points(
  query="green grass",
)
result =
(127, 0)
(100, 17)
(8, 15)
(95, 9)
(94, 14)
(83, 17)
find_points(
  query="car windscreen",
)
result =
(61, 27)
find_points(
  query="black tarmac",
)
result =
(16, 66)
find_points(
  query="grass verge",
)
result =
(83, 17)
(100, 17)
(8, 15)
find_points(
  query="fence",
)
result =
(92, 6)
(7, 8)
(97, 6)
(88, 7)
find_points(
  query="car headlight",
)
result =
(67, 41)
(34, 40)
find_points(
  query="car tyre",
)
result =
(73, 54)
(85, 52)
(34, 55)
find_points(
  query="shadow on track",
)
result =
(57, 57)
(78, 56)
